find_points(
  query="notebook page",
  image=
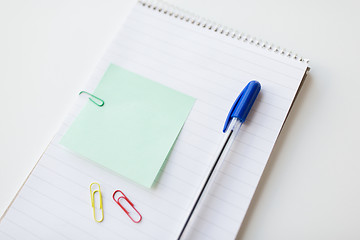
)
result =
(213, 68)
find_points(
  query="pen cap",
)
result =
(242, 105)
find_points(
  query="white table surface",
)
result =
(311, 186)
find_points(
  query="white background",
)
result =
(311, 186)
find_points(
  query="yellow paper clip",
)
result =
(92, 195)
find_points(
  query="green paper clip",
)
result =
(92, 96)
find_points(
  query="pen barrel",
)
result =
(218, 160)
(234, 129)
(223, 151)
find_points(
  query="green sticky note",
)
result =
(134, 131)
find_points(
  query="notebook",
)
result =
(200, 59)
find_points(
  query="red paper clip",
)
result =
(123, 208)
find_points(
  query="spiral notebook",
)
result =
(200, 59)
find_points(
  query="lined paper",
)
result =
(211, 67)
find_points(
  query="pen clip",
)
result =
(243, 103)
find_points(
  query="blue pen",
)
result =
(236, 117)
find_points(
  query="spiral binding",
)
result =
(175, 12)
